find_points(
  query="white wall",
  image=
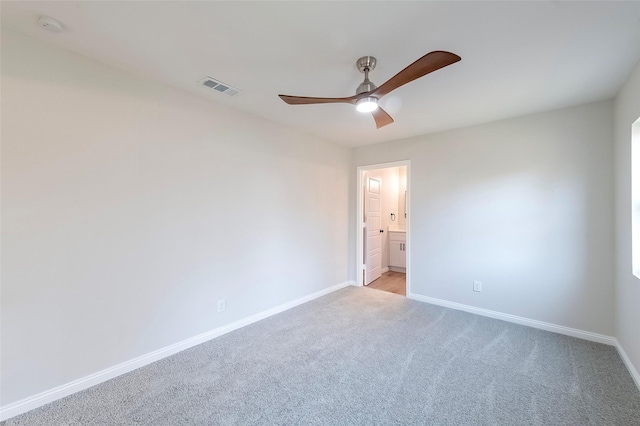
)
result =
(524, 205)
(129, 208)
(626, 111)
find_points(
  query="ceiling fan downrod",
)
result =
(364, 65)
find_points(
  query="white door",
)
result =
(373, 223)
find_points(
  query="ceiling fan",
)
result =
(367, 94)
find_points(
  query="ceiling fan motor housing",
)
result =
(365, 86)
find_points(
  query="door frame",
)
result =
(360, 224)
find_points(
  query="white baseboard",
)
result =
(627, 362)
(58, 392)
(383, 270)
(586, 335)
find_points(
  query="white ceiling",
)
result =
(517, 57)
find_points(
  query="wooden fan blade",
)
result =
(301, 100)
(381, 117)
(428, 63)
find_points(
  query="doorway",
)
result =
(383, 240)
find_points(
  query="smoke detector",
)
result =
(50, 24)
(219, 86)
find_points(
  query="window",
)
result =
(635, 197)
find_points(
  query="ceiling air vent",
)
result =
(219, 86)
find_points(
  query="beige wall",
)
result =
(524, 205)
(627, 110)
(129, 208)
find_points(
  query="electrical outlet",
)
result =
(477, 286)
(222, 305)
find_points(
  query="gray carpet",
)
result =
(365, 357)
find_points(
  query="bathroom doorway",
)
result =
(383, 227)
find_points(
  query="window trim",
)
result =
(635, 197)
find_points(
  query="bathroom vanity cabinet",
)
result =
(398, 249)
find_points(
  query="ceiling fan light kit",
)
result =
(368, 94)
(367, 104)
